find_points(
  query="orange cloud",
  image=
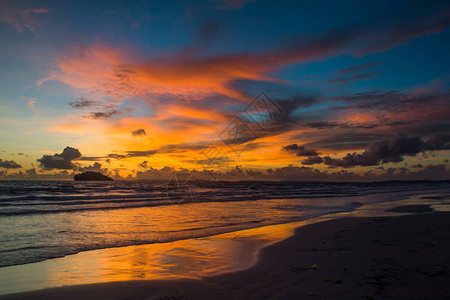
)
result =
(116, 73)
(179, 87)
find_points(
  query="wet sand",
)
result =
(349, 258)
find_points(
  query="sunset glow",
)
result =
(224, 149)
(133, 96)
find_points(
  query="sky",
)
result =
(226, 89)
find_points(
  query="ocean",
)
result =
(40, 220)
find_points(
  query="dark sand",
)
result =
(411, 209)
(403, 257)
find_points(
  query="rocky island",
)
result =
(91, 176)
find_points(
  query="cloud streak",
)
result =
(300, 150)
(191, 95)
(9, 164)
(99, 115)
(196, 76)
(389, 150)
(62, 160)
(23, 19)
(138, 132)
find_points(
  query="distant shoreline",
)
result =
(242, 180)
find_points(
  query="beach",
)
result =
(224, 149)
(399, 257)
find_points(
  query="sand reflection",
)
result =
(191, 258)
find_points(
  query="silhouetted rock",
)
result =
(91, 176)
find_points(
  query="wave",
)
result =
(42, 220)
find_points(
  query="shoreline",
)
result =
(230, 251)
(401, 256)
(396, 199)
(306, 220)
